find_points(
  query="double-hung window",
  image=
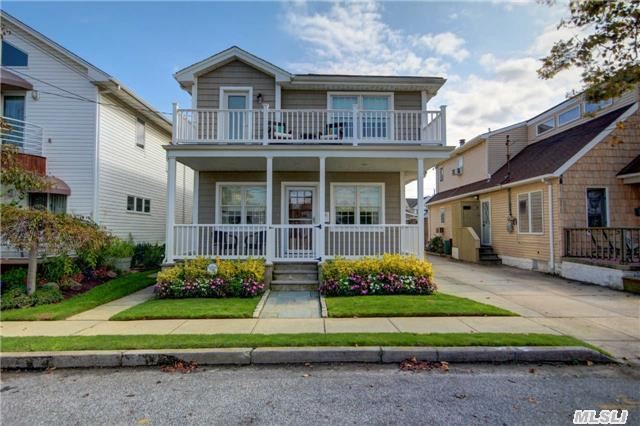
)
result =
(242, 204)
(374, 114)
(138, 204)
(358, 204)
(530, 213)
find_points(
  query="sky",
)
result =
(487, 50)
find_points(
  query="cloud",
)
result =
(353, 38)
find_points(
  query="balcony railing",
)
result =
(25, 136)
(606, 245)
(286, 126)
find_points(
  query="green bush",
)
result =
(17, 298)
(436, 245)
(13, 278)
(120, 248)
(147, 255)
(59, 269)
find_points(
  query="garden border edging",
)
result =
(297, 355)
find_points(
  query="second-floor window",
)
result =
(141, 130)
(374, 121)
(545, 126)
(596, 106)
(13, 57)
(441, 174)
(569, 115)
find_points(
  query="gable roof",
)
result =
(95, 75)
(547, 158)
(632, 168)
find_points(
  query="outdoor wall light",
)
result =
(259, 98)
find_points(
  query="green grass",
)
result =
(185, 341)
(111, 290)
(190, 308)
(435, 305)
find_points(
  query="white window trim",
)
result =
(360, 95)
(134, 211)
(528, 193)
(555, 125)
(332, 185)
(586, 204)
(573, 119)
(219, 185)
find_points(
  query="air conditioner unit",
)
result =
(440, 230)
(456, 171)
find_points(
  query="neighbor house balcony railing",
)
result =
(607, 245)
(284, 126)
(293, 242)
(26, 137)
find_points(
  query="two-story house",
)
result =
(101, 142)
(300, 168)
(556, 193)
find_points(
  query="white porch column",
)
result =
(420, 207)
(403, 201)
(195, 203)
(171, 209)
(321, 206)
(271, 241)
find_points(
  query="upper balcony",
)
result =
(26, 137)
(306, 126)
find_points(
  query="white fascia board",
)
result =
(595, 141)
(231, 153)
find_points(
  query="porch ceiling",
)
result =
(304, 164)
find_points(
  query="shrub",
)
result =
(17, 297)
(13, 278)
(436, 245)
(390, 274)
(59, 269)
(120, 248)
(147, 255)
(235, 278)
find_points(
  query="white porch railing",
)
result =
(370, 240)
(293, 242)
(308, 126)
(25, 136)
(224, 241)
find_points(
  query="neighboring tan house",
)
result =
(300, 167)
(567, 202)
(102, 142)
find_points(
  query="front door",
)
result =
(237, 104)
(485, 222)
(300, 215)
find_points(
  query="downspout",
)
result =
(96, 166)
(552, 248)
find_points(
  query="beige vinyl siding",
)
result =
(126, 169)
(208, 180)
(497, 148)
(434, 220)
(304, 99)
(627, 98)
(407, 101)
(69, 125)
(598, 169)
(235, 73)
(475, 168)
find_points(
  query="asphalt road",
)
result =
(335, 394)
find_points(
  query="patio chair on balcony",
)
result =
(278, 130)
(254, 243)
(333, 131)
(224, 243)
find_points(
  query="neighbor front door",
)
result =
(300, 215)
(485, 222)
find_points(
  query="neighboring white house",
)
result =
(98, 137)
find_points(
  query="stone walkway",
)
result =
(106, 311)
(292, 304)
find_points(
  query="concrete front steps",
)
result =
(295, 277)
(488, 256)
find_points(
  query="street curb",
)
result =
(258, 310)
(297, 355)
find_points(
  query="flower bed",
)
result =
(234, 278)
(390, 274)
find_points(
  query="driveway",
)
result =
(607, 318)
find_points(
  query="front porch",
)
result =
(295, 204)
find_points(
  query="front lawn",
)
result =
(110, 290)
(233, 307)
(434, 305)
(192, 341)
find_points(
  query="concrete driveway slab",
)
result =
(560, 306)
(630, 326)
(583, 328)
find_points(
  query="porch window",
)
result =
(530, 213)
(358, 204)
(597, 207)
(243, 204)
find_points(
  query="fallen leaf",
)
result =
(460, 395)
(589, 363)
(532, 370)
(144, 421)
